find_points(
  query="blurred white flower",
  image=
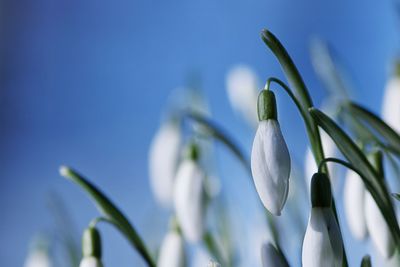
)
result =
(354, 201)
(270, 165)
(242, 89)
(322, 245)
(188, 199)
(271, 257)
(391, 103)
(38, 258)
(378, 229)
(311, 167)
(90, 262)
(163, 158)
(172, 253)
(213, 264)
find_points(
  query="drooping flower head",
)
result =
(270, 159)
(163, 159)
(91, 248)
(189, 195)
(391, 100)
(172, 251)
(377, 227)
(354, 204)
(322, 245)
(241, 85)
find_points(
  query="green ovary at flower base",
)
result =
(91, 247)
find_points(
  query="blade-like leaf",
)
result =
(354, 155)
(396, 196)
(366, 261)
(111, 212)
(390, 136)
(219, 134)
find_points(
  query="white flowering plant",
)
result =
(181, 184)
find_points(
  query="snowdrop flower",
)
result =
(270, 159)
(163, 159)
(242, 84)
(271, 257)
(354, 201)
(91, 247)
(172, 253)
(38, 258)
(189, 196)
(376, 224)
(213, 264)
(311, 167)
(378, 229)
(322, 245)
(391, 102)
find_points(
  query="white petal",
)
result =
(310, 166)
(213, 264)
(172, 252)
(163, 158)
(322, 245)
(271, 257)
(188, 200)
(354, 201)
(270, 166)
(391, 103)
(38, 258)
(242, 89)
(90, 262)
(377, 228)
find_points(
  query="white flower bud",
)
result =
(377, 227)
(271, 257)
(188, 200)
(354, 201)
(391, 103)
(241, 83)
(163, 159)
(90, 262)
(38, 258)
(270, 165)
(172, 253)
(322, 245)
(213, 264)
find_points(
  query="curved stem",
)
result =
(339, 161)
(293, 97)
(95, 221)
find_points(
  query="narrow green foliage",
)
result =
(370, 176)
(111, 212)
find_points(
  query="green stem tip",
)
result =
(91, 243)
(321, 194)
(266, 106)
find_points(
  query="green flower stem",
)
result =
(339, 161)
(373, 182)
(294, 99)
(366, 261)
(298, 84)
(213, 248)
(219, 134)
(111, 212)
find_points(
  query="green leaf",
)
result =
(396, 196)
(219, 134)
(386, 132)
(110, 211)
(366, 261)
(355, 156)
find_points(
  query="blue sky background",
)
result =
(84, 83)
